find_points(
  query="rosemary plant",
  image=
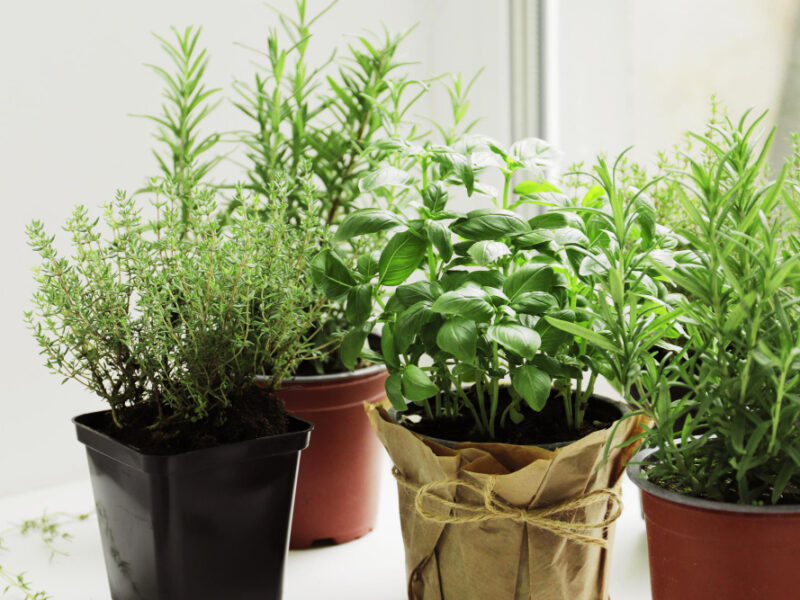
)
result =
(187, 104)
(737, 439)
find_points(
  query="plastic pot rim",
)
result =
(635, 474)
(328, 378)
(294, 440)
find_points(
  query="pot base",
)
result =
(338, 483)
(201, 525)
(701, 550)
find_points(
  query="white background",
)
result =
(70, 72)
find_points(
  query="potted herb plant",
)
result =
(722, 496)
(306, 118)
(484, 370)
(168, 320)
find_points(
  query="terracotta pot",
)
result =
(701, 549)
(339, 479)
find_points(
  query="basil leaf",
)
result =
(519, 339)
(366, 220)
(459, 337)
(417, 386)
(400, 258)
(533, 385)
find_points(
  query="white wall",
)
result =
(642, 72)
(71, 72)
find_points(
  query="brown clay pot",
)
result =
(700, 549)
(339, 478)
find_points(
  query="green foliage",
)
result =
(187, 103)
(733, 437)
(624, 309)
(301, 113)
(342, 120)
(474, 299)
(178, 314)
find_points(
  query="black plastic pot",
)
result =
(210, 524)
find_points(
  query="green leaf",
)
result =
(534, 238)
(417, 386)
(529, 278)
(459, 337)
(567, 236)
(486, 252)
(394, 391)
(533, 385)
(439, 235)
(530, 187)
(400, 258)
(352, 344)
(410, 322)
(595, 192)
(552, 337)
(489, 224)
(414, 292)
(469, 301)
(366, 220)
(388, 349)
(533, 153)
(385, 177)
(587, 334)
(549, 220)
(534, 303)
(616, 287)
(331, 275)
(646, 216)
(434, 197)
(368, 264)
(359, 304)
(466, 372)
(519, 339)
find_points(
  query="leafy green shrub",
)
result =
(488, 297)
(332, 122)
(176, 316)
(737, 435)
(301, 113)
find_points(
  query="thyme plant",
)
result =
(176, 315)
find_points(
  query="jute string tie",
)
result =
(494, 507)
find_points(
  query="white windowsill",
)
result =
(371, 568)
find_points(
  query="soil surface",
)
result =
(546, 427)
(257, 413)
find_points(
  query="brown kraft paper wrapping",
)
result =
(493, 551)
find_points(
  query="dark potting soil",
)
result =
(790, 496)
(546, 427)
(256, 413)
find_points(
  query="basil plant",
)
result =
(465, 298)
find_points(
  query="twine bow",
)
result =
(494, 507)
